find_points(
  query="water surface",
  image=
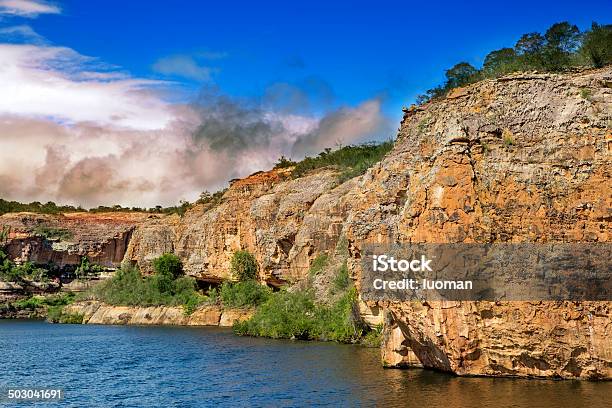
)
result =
(129, 366)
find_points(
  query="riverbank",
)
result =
(94, 312)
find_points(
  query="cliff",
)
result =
(63, 239)
(523, 158)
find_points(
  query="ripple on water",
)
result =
(173, 366)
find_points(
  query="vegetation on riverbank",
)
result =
(560, 48)
(37, 306)
(298, 314)
(167, 286)
(11, 272)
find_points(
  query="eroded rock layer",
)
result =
(524, 158)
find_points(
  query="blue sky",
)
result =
(359, 49)
(144, 103)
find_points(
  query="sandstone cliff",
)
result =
(524, 158)
(102, 237)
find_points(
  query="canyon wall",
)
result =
(524, 158)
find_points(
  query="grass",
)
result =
(56, 314)
(585, 93)
(352, 160)
(342, 280)
(373, 338)
(318, 264)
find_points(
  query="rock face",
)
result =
(283, 222)
(102, 237)
(524, 158)
(99, 313)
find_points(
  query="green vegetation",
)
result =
(207, 198)
(52, 208)
(86, 269)
(373, 338)
(352, 160)
(51, 305)
(10, 272)
(166, 286)
(4, 233)
(284, 163)
(341, 280)
(35, 302)
(52, 233)
(297, 315)
(244, 294)
(585, 93)
(244, 266)
(318, 264)
(561, 47)
(56, 314)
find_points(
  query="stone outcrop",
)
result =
(285, 222)
(102, 237)
(98, 313)
(525, 158)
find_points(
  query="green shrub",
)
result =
(373, 338)
(31, 303)
(168, 265)
(129, 288)
(244, 266)
(244, 294)
(352, 160)
(297, 315)
(10, 272)
(585, 93)
(283, 163)
(560, 48)
(56, 314)
(341, 280)
(52, 233)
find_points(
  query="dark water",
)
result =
(115, 366)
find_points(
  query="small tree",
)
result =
(244, 266)
(597, 45)
(499, 62)
(168, 265)
(460, 75)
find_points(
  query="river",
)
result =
(125, 366)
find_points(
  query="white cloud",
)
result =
(183, 66)
(75, 130)
(40, 81)
(27, 8)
